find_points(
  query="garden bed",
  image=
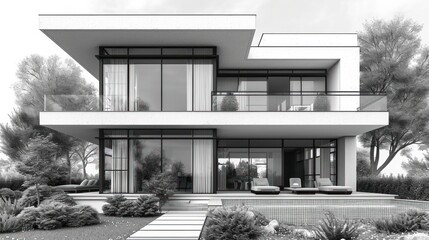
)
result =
(109, 228)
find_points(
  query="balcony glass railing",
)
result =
(236, 101)
(298, 101)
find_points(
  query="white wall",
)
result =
(346, 162)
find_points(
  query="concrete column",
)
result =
(346, 162)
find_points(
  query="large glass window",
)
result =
(177, 85)
(177, 159)
(132, 157)
(145, 85)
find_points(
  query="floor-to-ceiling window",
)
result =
(241, 160)
(132, 157)
(157, 79)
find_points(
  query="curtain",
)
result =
(243, 101)
(119, 166)
(115, 86)
(133, 88)
(189, 85)
(203, 84)
(203, 166)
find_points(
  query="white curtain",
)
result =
(203, 166)
(133, 88)
(243, 101)
(189, 86)
(203, 84)
(115, 86)
(119, 166)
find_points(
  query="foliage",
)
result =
(229, 104)
(85, 151)
(404, 187)
(417, 167)
(161, 185)
(393, 61)
(332, 228)
(7, 193)
(37, 77)
(321, 104)
(8, 211)
(144, 206)
(409, 221)
(13, 183)
(56, 215)
(237, 222)
(260, 218)
(363, 168)
(149, 165)
(29, 197)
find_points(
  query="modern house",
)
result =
(204, 97)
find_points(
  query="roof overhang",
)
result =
(81, 35)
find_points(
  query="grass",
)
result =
(114, 228)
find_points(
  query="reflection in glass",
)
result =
(269, 164)
(145, 162)
(177, 85)
(233, 169)
(177, 159)
(145, 85)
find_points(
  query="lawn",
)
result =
(109, 228)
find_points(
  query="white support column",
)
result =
(346, 162)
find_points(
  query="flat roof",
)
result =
(80, 35)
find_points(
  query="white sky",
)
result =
(20, 36)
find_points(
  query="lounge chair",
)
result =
(325, 186)
(261, 186)
(296, 187)
(85, 185)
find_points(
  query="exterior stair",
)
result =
(185, 205)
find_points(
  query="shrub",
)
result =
(13, 183)
(9, 207)
(409, 221)
(332, 228)
(261, 220)
(60, 197)
(9, 223)
(161, 185)
(56, 215)
(7, 193)
(321, 104)
(29, 197)
(229, 104)
(144, 206)
(236, 222)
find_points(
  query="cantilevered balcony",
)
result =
(233, 102)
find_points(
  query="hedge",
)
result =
(404, 187)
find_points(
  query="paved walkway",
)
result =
(173, 225)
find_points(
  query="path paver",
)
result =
(173, 225)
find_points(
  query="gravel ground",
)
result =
(109, 228)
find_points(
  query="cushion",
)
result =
(84, 182)
(324, 182)
(295, 182)
(335, 188)
(95, 182)
(265, 188)
(260, 182)
(91, 182)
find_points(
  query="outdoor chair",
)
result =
(262, 186)
(85, 185)
(325, 186)
(295, 186)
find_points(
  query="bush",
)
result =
(7, 193)
(229, 104)
(404, 187)
(409, 221)
(56, 215)
(332, 228)
(29, 197)
(161, 185)
(236, 222)
(8, 211)
(13, 183)
(10, 207)
(144, 206)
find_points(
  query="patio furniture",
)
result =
(261, 186)
(325, 186)
(85, 185)
(296, 187)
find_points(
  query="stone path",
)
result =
(173, 225)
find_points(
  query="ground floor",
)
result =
(202, 162)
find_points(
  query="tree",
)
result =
(44, 81)
(38, 163)
(85, 151)
(393, 62)
(362, 163)
(229, 104)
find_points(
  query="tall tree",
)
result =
(44, 82)
(416, 167)
(394, 62)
